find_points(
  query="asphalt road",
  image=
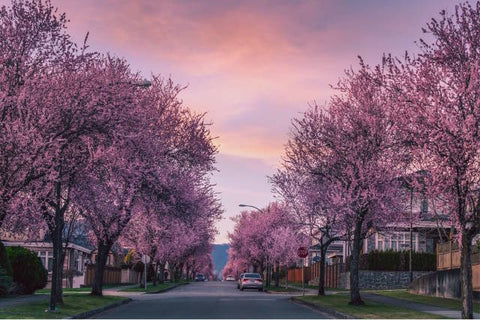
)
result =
(212, 300)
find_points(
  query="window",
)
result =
(42, 255)
(424, 207)
(50, 264)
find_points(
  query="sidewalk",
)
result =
(21, 299)
(115, 291)
(401, 303)
(13, 301)
(416, 306)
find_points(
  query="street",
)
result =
(211, 300)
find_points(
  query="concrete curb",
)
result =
(282, 292)
(332, 312)
(88, 314)
(167, 289)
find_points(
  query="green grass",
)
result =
(73, 304)
(299, 284)
(403, 294)
(84, 289)
(370, 310)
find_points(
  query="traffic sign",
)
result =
(316, 259)
(302, 252)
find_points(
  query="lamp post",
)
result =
(247, 205)
(263, 212)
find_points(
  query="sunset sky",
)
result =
(251, 65)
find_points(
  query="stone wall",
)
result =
(444, 283)
(381, 279)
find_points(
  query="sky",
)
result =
(250, 65)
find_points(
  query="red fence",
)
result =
(295, 274)
(111, 275)
(312, 273)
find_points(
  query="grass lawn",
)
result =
(152, 288)
(370, 310)
(432, 301)
(73, 304)
(84, 289)
(299, 284)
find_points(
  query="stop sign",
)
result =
(302, 252)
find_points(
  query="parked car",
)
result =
(230, 278)
(239, 280)
(251, 281)
(200, 277)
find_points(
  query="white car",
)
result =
(230, 278)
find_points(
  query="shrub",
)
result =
(4, 262)
(139, 267)
(5, 281)
(396, 261)
(28, 270)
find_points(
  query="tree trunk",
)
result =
(286, 277)
(155, 273)
(103, 250)
(321, 279)
(355, 298)
(58, 258)
(161, 279)
(466, 276)
(277, 275)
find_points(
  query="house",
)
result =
(79, 252)
(427, 230)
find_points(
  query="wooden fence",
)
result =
(448, 257)
(312, 273)
(111, 275)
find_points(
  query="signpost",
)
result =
(145, 260)
(303, 253)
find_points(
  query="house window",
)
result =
(42, 255)
(50, 264)
(424, 207)
(77, 259)
(47, 259)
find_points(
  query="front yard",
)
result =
(403, 294)
(73, 305)
(370, 310)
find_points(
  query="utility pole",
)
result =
(411, 235)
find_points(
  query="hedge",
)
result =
(5, 281)
(4, 262)
(28, 270)
(396, 261)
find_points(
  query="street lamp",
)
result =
(247, 205)
(261, 211)
(143, 84)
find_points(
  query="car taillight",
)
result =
(259, 280)
(244, 280)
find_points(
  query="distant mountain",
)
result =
(220, 257)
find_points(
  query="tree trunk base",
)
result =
(96, 293)
(356, 302)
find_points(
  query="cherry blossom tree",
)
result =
(257, 239)
(35, 47)
(440, 114)
(308, 200)
(350, 149)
